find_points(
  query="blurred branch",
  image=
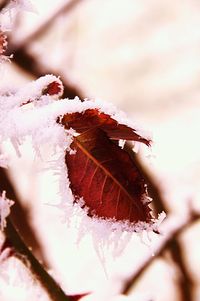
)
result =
(53, 289)
(174, 246)
(32, 66)
(185, 282)
(19, 214)
(164, 243)
(65, 8)
(153, 188)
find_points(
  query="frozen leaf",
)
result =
(54, 88)
(45, 85)
(93, 118)
(107, 178)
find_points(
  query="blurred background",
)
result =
(144, 57)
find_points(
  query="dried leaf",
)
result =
(107, 178)
(92, 118)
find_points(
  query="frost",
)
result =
(5, 205)
(16, 282)
(9, 12)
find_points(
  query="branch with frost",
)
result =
(172, 228)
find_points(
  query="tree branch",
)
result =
(31, 65)
(185, 282)
(181, 226)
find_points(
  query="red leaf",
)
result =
(53, 89)
(77, 297)
(107, 178)
(92, 118)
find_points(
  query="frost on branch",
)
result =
(100, 185)
(5, 205)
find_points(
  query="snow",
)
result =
(17, 283)
(5, 205)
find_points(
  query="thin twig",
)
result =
(49, 284)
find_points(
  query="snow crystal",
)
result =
(5, 205)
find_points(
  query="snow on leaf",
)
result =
(46, 85)
(107, 178)
(93, 118)
(39, 121)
